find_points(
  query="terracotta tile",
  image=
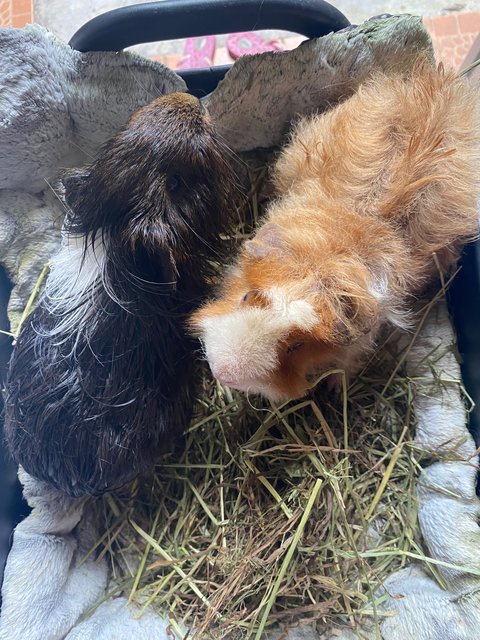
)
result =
(466, 39)
(452, 50)
(21, 7)
(429, 24)
(445, 25)
(469, 22)
(21, 21)
(5, 13)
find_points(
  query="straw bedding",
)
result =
(268, 514)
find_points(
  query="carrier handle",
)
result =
(173, 19)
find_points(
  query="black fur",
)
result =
(88, 408)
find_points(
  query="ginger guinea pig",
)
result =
(100, 378)
(367, 195)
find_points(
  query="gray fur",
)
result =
(263, 93)
(59, 105)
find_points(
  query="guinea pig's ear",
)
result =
(268, 237)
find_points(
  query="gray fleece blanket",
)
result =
(56, 107)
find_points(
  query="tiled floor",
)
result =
(453, 33)
(15, 13)
(5, 12)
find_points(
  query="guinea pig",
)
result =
(374, 198)
(99, 380)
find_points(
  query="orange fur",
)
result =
(367, 193)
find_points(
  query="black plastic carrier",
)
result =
(172, 19)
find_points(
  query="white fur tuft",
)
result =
(392, 312)
(74, 273)
(298, 312)
(241, 346)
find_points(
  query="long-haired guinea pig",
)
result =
(374, 198)
(100, 377)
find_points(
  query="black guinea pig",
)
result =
(100, 378)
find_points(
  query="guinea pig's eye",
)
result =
(245, 297)
(295, 347)
(173, 183)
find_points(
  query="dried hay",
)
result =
(270, 514)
